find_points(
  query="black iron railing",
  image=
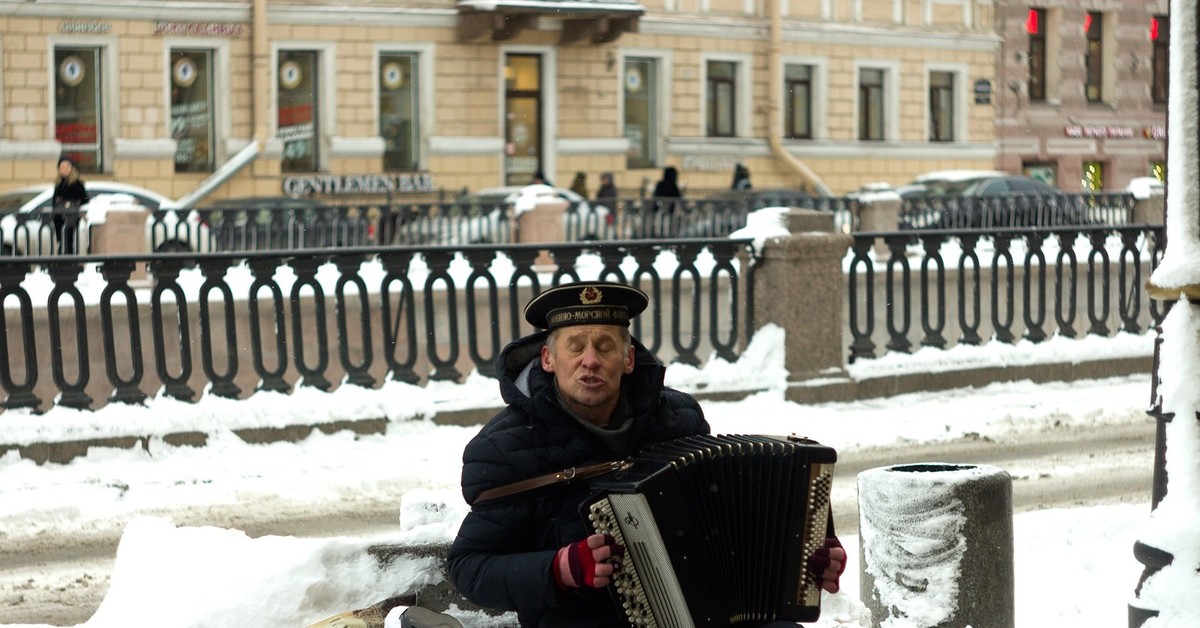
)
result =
(232, 323)
(1016, 210)
(1000, 284)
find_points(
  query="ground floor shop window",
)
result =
(1046, 173)
(298, 126)
(798, 94)
(1093, 176)
(193, 125)
(78, 111)
(721, 95)
(641, 112)
(941, 106)
(871, 104)
(398, 85)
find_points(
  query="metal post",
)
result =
(1168, 546)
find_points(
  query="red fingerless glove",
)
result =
(819, 562)
(585, 564)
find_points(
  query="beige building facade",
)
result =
(1082, 97)
(205, 100)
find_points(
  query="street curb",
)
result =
(816, 390)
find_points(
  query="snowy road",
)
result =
(60, 579)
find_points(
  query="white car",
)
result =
(26, 227)
(582, 220)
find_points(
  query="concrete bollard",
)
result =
(936, 545)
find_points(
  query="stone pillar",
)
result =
(1149, 210)
(118, 227)
(879, 212)
(800, 287)
(543, 222)
(936, 546)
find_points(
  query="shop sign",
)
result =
(983, 92)
(708, 163)
(1156, 132)
(1099, 131)
(199, 29)
(358, 184)
(77, 27)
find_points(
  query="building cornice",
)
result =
(748, 28)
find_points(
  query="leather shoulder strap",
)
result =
(566, 475)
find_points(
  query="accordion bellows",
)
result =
(718, 529)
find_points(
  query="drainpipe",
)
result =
(774, 111)
(261, 67)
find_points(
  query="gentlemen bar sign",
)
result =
(363, 184)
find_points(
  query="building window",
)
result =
(1045, 172)
(78, 115)
(297, 105)
(398, 111)
(1094, 62)
(1160, 34)
(722, 99)
(193, 126)
(1093, 176)
(798, 90)
(870, 104)
(1158, 170)
(1035, 26)
(641, 112)
(523, 115)
(941, 106)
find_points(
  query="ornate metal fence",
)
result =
(999, 284)
(233, 323)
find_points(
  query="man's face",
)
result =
(587, 362)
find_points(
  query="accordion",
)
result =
(717, 529)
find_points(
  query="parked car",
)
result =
(487, 215)
(282, 222)
(985, 200)
(943, 182)
(26, 227)
(721, 213)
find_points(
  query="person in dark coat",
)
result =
(607, 194)
(741, 178)
(579, 184)
(69, 196)
(668, 185)
(581, 391)
(666, 191)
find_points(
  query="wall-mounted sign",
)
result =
(392, 75)
(1099, 131)
(1156, 132)
(709, 163)
(290, 74)
(86, 28)
(199, 29)
(184, 72)
(983, 92)
(400, 183)
(71, 71)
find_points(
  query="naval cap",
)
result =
(586, 303)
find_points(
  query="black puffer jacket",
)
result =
(503, 554)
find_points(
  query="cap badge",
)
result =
(590, 296)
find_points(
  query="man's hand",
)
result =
(827, 564)
(586, 563)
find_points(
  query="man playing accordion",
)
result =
(581, 392)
